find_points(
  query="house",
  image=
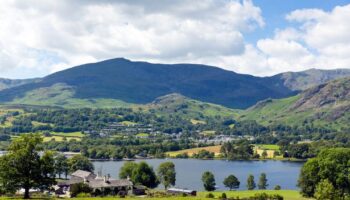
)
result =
(99, 185)
(178, 191)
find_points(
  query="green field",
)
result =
(268, 146)
(287, 194)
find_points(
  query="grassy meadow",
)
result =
(190, 152)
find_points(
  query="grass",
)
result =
(208, 133)
(71, 134)
(142, 135)
(60, 138)
(287, 194)
(190, 152)
(268, 146)
(128, 123)
(195, 121)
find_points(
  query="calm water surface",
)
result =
(189, 171)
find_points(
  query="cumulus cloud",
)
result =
(320, 40)
(38, 37)
(47, 36)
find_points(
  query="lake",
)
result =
(189, 171)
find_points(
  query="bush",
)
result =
(277, 187)
(223, 196)
(79, 188)
(209, 195)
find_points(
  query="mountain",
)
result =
(142, 82)
(10, 83)
(298, 81)
(119, 82)
(326, 105)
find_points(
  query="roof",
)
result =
(82, 173)
(100, 183)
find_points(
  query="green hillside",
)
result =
(189, 108)
(326, 105)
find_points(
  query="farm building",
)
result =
(99, 185)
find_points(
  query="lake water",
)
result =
(189, 171)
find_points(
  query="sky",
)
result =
(258, 37)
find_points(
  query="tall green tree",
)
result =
(262, 185)
(330, 164)
(250, 182)
(80, 162)
(127, 169)
(23, 167)
(143, 174)
(208, 180)
(231, 182)
(167, 174)
(61, 165)
(325, 191)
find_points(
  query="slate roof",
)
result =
(82, 174)
(100, 183)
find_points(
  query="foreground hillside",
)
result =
(326, 105)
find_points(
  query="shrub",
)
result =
(277, 187)
(78, 188)
(209, 195)
(223, 196)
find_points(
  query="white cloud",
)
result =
(38, 36)
(48, 36)
(320, 40)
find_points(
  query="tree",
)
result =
(250, 182)
(325, 190)
(23, 167)
(231, 182)
(79, 162)
(78, 188)
(208, 180)
(167, 174)
(262, 185)
(143, 174)
(331, 165)
(61, 165)
(127, 169)
(264, 154)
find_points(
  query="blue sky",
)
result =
(274, 12)
(258, 37)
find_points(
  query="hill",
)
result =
(303, 80)
(120, 82)
(188, 108)
(9, 83)
(141, 83)
(326, 105)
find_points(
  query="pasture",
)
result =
(190, 152)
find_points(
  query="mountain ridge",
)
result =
(142, 82)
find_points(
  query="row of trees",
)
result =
(232, 182)
(143, 174)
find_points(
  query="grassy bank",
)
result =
(287, 194)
